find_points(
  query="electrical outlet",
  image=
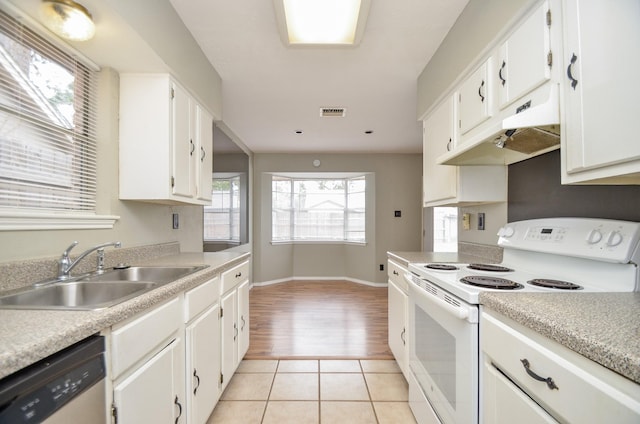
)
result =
(466, 221)
(176, 221)
(481, 221)
(381, 267)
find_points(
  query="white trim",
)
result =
(320, 280)
(15, 221)
(348, 242)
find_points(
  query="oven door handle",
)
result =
(458, 312)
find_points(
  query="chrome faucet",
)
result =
(65, 265)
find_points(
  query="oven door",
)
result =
(443, 351)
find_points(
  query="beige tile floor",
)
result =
(315, 391)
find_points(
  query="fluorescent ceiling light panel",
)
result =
(321, 22)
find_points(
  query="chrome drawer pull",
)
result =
(550, 383)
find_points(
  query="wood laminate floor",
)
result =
(318, 319)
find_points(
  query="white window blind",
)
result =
(318, 209)
(47, 125)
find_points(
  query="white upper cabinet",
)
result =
(474, 99)
(439, 181)
(166, 140)
(446, 185)
(524, 59)
(600, 92)
(204, 157)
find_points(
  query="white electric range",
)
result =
(557, 255)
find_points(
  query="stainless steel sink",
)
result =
(157, 274)
(96, 291)
(81, 295)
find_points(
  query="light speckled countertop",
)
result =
(26, 336)
(604, 327)
(405, 258)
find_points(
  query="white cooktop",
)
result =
(598, 255)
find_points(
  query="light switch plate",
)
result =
(466, 221)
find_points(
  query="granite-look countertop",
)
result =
(26, 336)
(604, 327)
(405, 258)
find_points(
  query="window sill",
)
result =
(354, 243)
(13, 221)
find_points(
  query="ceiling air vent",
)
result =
(338, 112)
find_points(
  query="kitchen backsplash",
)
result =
(19, 274)
(535, 191)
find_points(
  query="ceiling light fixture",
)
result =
(67, 19)
(321, 22)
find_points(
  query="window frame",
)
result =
(346, 176)
(18, 219)
(231, 240)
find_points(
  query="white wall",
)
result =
(397, 187)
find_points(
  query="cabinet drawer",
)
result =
(235, 276)
(396, 274)
(199, 298)
(586, 392)
(134, 339)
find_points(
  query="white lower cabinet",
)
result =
(229, 337)
(171, 364)
(528, 378)
(202, 350)
(243, 319)
(235, 319)
(147, 367)
(398, 314)
(151, 393)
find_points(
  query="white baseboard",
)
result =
(319, 280)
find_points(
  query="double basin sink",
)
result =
(96, 291)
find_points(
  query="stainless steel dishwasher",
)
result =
(66, 387)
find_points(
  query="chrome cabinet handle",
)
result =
(404, 342)
(480, 91)
(176, 402)
(502, 80)
(193, 147)
(243, 323)
(203, 154)
(195, 374)
(235, 331)
(550, 383)
(449, 145)
(238, 275)
(395, 272)
(574, 82)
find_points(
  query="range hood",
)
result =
(527, 128)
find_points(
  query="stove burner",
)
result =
(554, 284)
(488, 267)
(441, 267)
(491, 282)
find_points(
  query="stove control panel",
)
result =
(599, 239)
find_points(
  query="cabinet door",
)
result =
(182, 143)
(204, 160)
(504, 403)
(203, 364)
(243, 319)
(151, 394)
(601, 89)
(474, 100)
(522, 60)
(229, 336)
(397, 324)
(440, 181)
